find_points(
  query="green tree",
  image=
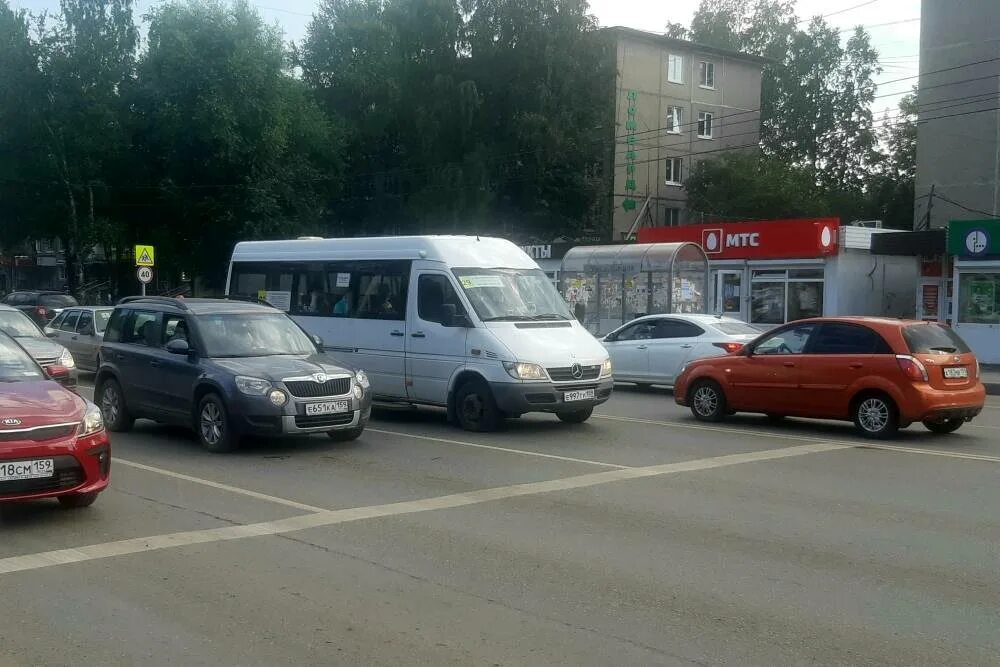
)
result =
(86, 58)
(473, 116)
(892, 183)
(234, 146)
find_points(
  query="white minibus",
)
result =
(467, 323)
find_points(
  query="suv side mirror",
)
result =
(51, 333)
(451, 318)
(178, 346)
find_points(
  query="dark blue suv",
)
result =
(225, 368)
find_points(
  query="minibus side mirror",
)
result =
(451, 318)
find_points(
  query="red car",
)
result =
(52, 441)
(881, 374)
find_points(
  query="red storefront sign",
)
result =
(772, 239)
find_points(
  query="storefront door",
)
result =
(729, 294)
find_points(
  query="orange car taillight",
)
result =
(730, 348)
(912, 368)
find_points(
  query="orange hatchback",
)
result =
(881, 374)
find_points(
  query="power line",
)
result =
(964, 207)
(938, 71)
(840, 11)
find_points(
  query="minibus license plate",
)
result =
(16, 470)
(956, 372)
(328, 408)
(581, 395)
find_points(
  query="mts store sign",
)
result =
(773, 239)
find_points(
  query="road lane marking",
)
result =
(217, 485)
(859, 444)
(718, 429)
(931, 452)
(524, 452)
(331, 517)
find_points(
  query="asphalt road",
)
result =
(639, 538)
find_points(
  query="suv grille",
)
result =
(310, 389)
(68, 474)
(314, 421)
(566, 374)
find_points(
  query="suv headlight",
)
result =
(252, 386)
(606, 368)
(362, 379)
(93, 421)
(66, 359)
(524, 371)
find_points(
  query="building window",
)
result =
(704, 125)
(706, 74)
(777, 297)
(671, 217)
(675, 68)
(674, 167)
(675, 118)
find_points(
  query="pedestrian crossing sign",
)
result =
(145, 255)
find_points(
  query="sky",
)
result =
(898, 44)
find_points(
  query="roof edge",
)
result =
(662, 39)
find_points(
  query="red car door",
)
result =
(767, 378)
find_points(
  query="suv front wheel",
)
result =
(112, 403)
(212, 425)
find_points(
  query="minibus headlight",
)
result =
(606, 368)
(525, 371)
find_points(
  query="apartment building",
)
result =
(676, 103)
(958, 133)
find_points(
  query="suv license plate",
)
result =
(581, 395)
(956, 372)
(328, 408)
(16, 470)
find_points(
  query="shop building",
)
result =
(771, 272)
(974, 246)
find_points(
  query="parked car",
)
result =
(225, 368)
(881, 374)
(52, 441)
(652, 349)
(57, 361)
(40, 306)
(81, 330)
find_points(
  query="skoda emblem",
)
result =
(320, 378)
(11, 421)
(576, 371)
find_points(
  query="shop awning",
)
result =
(632, 258)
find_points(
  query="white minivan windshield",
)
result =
(512, 294)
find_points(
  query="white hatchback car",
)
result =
(654, 348)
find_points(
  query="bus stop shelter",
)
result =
(609, 285)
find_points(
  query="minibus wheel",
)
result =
(475, 407)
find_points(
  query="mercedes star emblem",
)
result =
(576, 371)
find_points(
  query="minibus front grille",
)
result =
(565, 374)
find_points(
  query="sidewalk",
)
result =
(990, 374)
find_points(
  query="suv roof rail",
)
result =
(165, 300)
(248, 299)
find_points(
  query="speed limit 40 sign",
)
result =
(145, 275)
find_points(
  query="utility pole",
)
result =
(930, 205)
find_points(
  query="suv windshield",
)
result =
(17, 324)
(933, 338)
(15, 364)
(512, 294)
(252, 335)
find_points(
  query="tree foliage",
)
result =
(819, 140)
